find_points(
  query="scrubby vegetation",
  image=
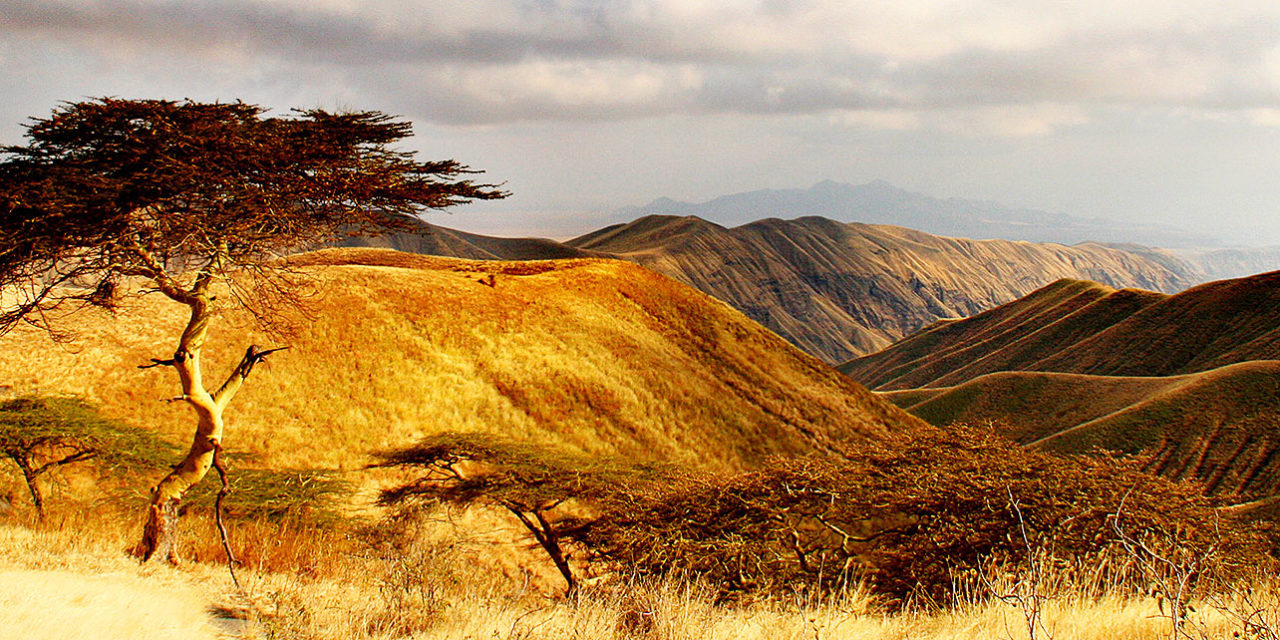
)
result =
(916, 521)
(930, 536)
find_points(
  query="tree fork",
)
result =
(159, 532)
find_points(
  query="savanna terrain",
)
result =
(589, 357)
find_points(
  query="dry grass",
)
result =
(596, 355)
(1083, 327)
(451, 588)
(1009, 337)
(457, 577)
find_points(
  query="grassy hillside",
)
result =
(1080, 327)
(836, 290)
(591, 354)
(1218, 427)
(597, 355)
(945, 348)
(441, 241)
(1190, 381)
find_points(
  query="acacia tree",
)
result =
(40, 435)
(189, 196)
(529, 481)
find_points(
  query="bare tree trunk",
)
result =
(158, 535)
(31, 477)
(162, 516)
(546, 536)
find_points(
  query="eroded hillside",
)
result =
(1217, 427)
(1189, 382)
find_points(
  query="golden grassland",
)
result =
(69, 579)
(596, 355)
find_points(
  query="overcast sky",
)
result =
(1161, 111)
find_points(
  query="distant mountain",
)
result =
(435, 240)
(1222, 264)
(1088, 328)
(1207, 265)
(836, 290)
(879, 202)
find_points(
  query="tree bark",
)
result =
(31, 476)
(162, 516)
(158, 534)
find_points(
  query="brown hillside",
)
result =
(1011, 337)
(836, 290)
(1218, 427)
(1124, 333)
(598, 355)
(440, 241)
(840, 289)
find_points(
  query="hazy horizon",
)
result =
(1144, 112)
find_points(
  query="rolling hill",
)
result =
(1191, 381)
(1198, 257)
(1217, 426)
(1083, 327)
(835, 290)
(596, 355)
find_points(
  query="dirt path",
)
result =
(59, 604)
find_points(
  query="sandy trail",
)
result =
(58, 605)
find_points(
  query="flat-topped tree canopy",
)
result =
(180, 191)
(186, 195)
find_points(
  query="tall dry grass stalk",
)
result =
(441, 584)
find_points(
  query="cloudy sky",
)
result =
(1162, 111)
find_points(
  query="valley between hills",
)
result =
(1123, 354)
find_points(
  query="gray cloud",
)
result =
(1166, 109)
(492, 61)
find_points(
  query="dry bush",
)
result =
(913, 520)
(530, 482)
